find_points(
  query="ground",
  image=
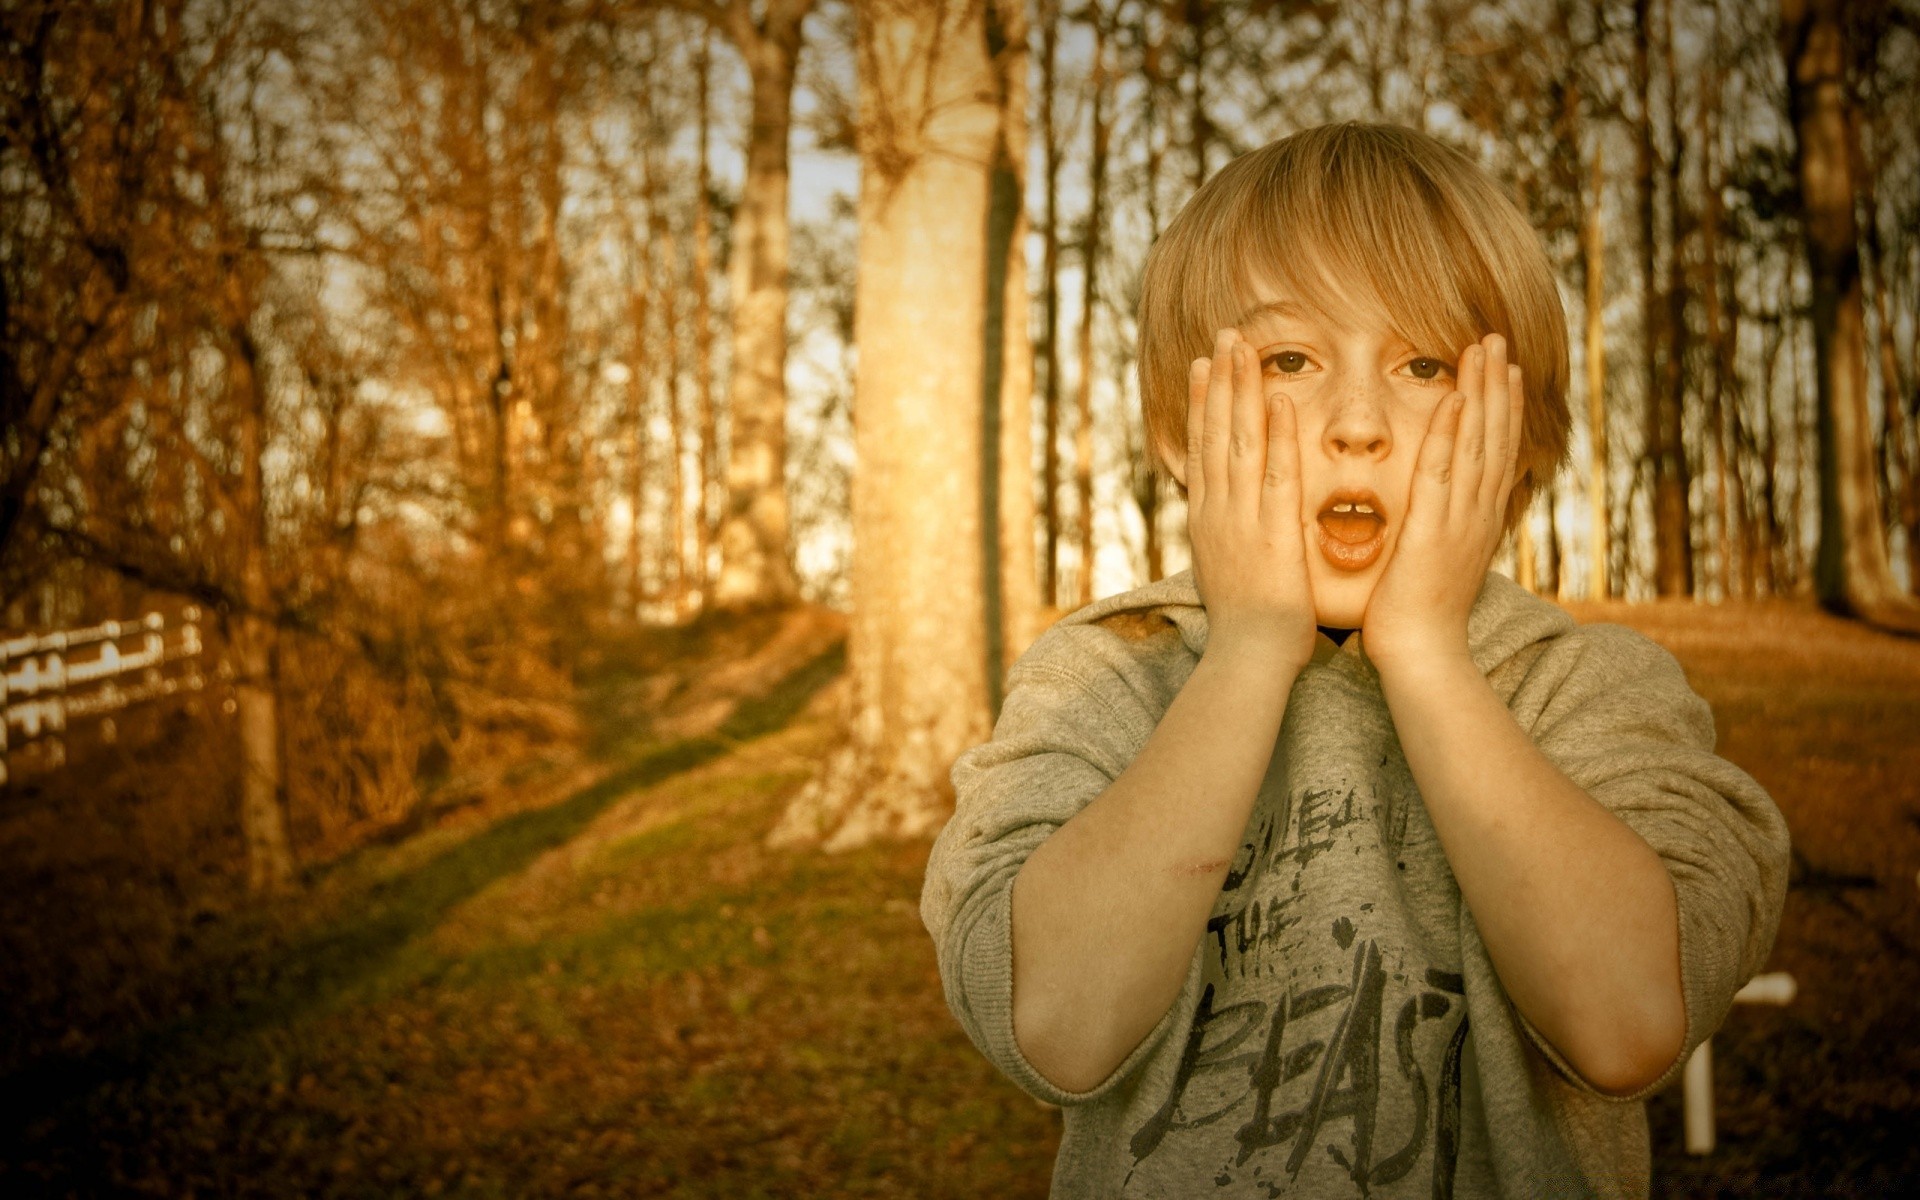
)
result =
(610, 987)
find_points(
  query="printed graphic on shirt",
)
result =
(1324, 1057)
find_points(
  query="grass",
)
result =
(621, 993)
(625, 993)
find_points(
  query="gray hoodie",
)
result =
(1341, 1030)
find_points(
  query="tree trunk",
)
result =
(1894, 462)
(1199, 121)
(708, 463)
(1153, 41)
(1643, 188)
(755, 569)
(930, 119)
(1089, 301)
(640, 383)
(256, 643)
(1793, 556)
(674, 278)
(637, 446)
(1767, 530)
(1594, 255)
(1524, 566)
(1910, 494)
(1050, 292)
(1722, 380)
(1852, 572)
(1011, 324)
(542, 339)
(1672, 474)
(1553, 576)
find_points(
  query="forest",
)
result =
(427, 405)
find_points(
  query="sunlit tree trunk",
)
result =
(756, 568)
(1524, 566)
(707, 470)
(674, 283)
(929, 121)
(640, 382)
(636, 422)
(1852, 572)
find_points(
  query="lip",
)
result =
(1342, 555)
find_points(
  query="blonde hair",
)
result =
(1355, 218)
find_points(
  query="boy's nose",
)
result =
(1358, 425)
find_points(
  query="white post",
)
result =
(1696, 1095)
(1696, 1082)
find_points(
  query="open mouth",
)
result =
(1353, 530)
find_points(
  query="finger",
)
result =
(1516, 425)
(1249, 440)
(1499, 401)
(1470, 438)
(1433, 470)
(1280, 490)
(1219, 411)
(1198, 373)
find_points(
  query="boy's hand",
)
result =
(1461, 481)
(1243, 506)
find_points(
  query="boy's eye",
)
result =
(1287, 362)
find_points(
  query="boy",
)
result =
(1340, 865)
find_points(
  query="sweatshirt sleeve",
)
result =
(1616, 714)
(1066, 731)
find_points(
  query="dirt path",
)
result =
(626, 994)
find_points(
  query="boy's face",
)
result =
(1362, 396)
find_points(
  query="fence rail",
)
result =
(48, 681)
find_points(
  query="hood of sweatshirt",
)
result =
(1505, 619)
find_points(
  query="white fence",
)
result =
(49, 681)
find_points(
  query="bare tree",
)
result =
(1052, 150)
(1852, 573)
(755, 565)
(159, 498)
(702, 285)
(1100, 86)
(1593, 257)
(1014, 613)
(929, 124)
